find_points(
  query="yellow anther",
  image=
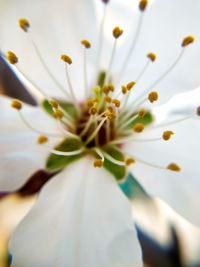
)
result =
(16, 104)
(188, 40)
(107, 99)
(198, 111)
(129, 161)
(143, 4)
(86, 43)
(12, 58)
(108, 88)
(138, 127)
(105, 89)
(167, 135)
(42, 139)
(90, 103)
(105, 1)
(110, 108)
(111, 87)
(116, 102)
(98, 163)
(151, 56)
(111, 116)
(58, 114)
(117, 32)
(92, 111)
(66, 59)
(24, 24)
(153, 96)
(53, 103)
(174, 167)
(130, 85)
(141, 113)
(124, 89)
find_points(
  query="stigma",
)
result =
(108, 118)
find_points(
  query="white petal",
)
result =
(180, 190)
(20, 155)
(77, 215)
(165, 25)
(57, 27)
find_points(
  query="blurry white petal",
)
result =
(76, 217)
(180, 190)
(20, 154)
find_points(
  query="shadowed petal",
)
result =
(77, 215)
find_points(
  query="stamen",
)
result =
(138, 127)
(99, 49)
(129, 161)
(95, 132)
(153, 96)
(128, 121)
(70, 153)
(24, 24)
(141, 113)
(12, 58)
(107, 131)
(174, 122)
(117, 162)
(92, 111)
(68, 61)
(58, 114)
(174, 167)
(188, 40)
(143, 5)
(107, 99)
(87, 45)
(42, 139)
(90, 103)
(98, 163)
(117, 32)
(185, 43)
(53, 103)
(65, 132)
(116, 102)
(36, 130)
(84, 131)
(130, 85)
(167, 135)
(124, 90)
(16, 104)
(151, 58)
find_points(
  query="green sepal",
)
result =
(57, 162)
(132, 188)
(66, 106)
(119, 172)
(147, 119)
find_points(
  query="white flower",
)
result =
(81, 214)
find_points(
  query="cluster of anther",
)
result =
(104, 118)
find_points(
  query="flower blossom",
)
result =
(92, 139)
